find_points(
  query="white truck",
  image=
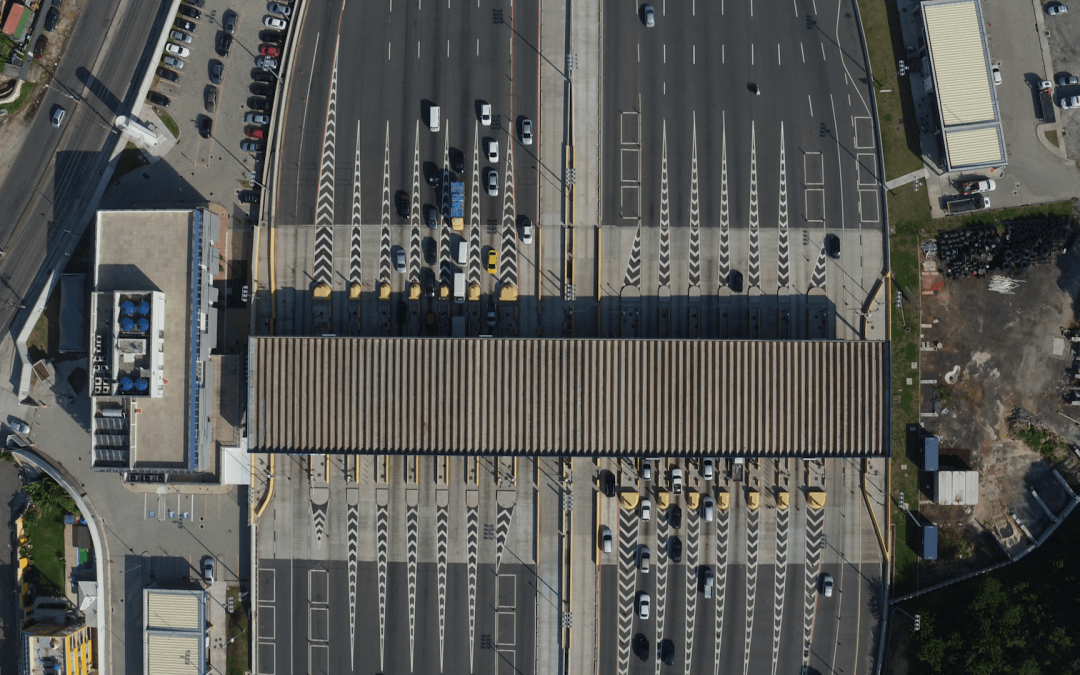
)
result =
(976, 186)
(459, 287)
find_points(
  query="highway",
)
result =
(57, 171)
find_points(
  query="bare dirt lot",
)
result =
(1004, 345)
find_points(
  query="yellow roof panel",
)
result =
(960, 68)
(969, 147)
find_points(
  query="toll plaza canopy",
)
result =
(568, 397)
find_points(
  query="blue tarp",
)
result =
(928, 545)
(930, 453)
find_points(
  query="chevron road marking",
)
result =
(324, 209)
(783, 261)
(356, 258)
(503, 516)
(352, 533)
(693, 545)
(661, 583)
(633, 266)
(414, 212)
(695, 216)
(412, 526)
(382, 518)
(664, 276)
(384, 236)
(754, 266)
(508, 254)
(723, 257)
(628, 543)
(318, 520)
(721, 581)
(474, 212)
(442, 536)
(751, 581)
(783, 517)
(445, 255)
(815, 542)
(818, 278)
(472, 552)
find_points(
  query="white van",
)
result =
(434, 117)
(463, 253)
(459, 287)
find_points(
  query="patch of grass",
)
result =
(944, 396)
(170, 123)
(6, 45)
(953, 547)
(896, 111)
(1042, 441)
(131, 158)
(44, 341)
(45, 527)
(25, 96)
(236, 655)
(1052, 137)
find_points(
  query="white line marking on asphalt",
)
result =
(803, 52)
(822, 51)
(695, 55)
(391, 5)
(303, 119)
(665, 53)
(839, 164)
(478, 41)
(447, 49)
(417, 49)
(778, 62)
(751, 9)
(693, 8)
(815, 6)
(639, 53)
(388, 51)
(723, 52)
(795, 6)
(811, 102)
(751, 53)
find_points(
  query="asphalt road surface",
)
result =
(57, 171)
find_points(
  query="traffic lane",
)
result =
(304, 108)
(855, 626)
(526, 105)
(733, 641)
(790, 658)
(827, 616)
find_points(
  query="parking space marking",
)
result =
(352, 533)
(869, 206)
(442, 535)
(723, 257)
(414, 212)
(721, 582)
(693, 545)
(356, 258)
(783, 517)
(472, 545)
(382, 519)
(752, 517)
(508, 255)
(754, 262)
(384, 237)
(324, 210)
(474, 212)
(664, 273)
(628, 543)
(661, 582)
(695, 215)
(815, 542)
(412, 528)
(783, 253)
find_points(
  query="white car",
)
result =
(265, 62)
(646, 469)
(708, 507)
(646, 509)
(1057, 8)
(208, 569)
(256, 118)
(1066, 79)
(676, 481)
(182, 52)
(827, 585)
(643, 558)
(526, 131)
(526, 230)
(1070, 102)
(493, 151)
(17, 424)
(643, 602)
(399, 261)
(173, 62)
(493, 183)
(485, 114)
(606, 540)
(707, 468)
(180, 36)
(274, 22)
(278, 8)
(996, 72)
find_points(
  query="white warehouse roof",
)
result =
(568, 397)
(956, 488)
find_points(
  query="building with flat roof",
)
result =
(49, 650)
(968, 114)
(568, 397)
(174, 631)
(153, 324)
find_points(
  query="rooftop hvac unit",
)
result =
(127, 325)
(144, 324)
(144, 308)
(127, 308)
(142, 384)
(126, 384)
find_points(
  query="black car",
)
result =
(607, 483)
(224, 45)
(429, 251)
(158, 99)
(640, 646)
(735, 281)
(427, 282)
(260, 104)
(261, 90)
(190, 12)
(166, 74)
(229, 22)
(832, 245)
(262, 76)
(402, 312)
(195, 3)
(216, 71)
(457, 160)
(51, 18)
(249, 197)
(675, 549)
(207, 127)
(184, 24)
(675, 517)
(272, 37)
(666, 651)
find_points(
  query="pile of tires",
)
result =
(977, 250)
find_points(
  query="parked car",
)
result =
(178, 50)
(266, 62)
(996, 72)
(190, 12)
(158, 99)
(256, 118)
(271, 36)
(211, 99)
(832, 245)
(606, 539)
(269, 50)
(206, 127)
(1070, 102)
(58, 116)
(274, 22)
(51, 18)
(195, 3)
(261, 90)
(249, 197)
(827, 585)
(184, 24)
(526, 230)
(260, 104)
(20, 426)
(262, 76)
(40, 46)
(255, 133)
(173, 61)
(229, 21)
(251, 146)
(278, 8)
(1055, 8)
(1066, 79)
(224, 46)
(180, 36)
(607, 483)
(208, 569)
(217, 71)
(166, 74)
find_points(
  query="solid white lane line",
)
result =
(811, 102)
(665, 53)
(723, 54)
(695, 55)
(417, 49)
(751, 53)
(388, 51)
(822, 51)
(639, 53)
(795, 6)
(478, 46)
(803, 52)
(839, 162)
(778, 54)
(815, 6)
(448, 49)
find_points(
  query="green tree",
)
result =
(47, 493)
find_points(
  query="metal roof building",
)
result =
(960, 65)
(174, 629)
(568, 397)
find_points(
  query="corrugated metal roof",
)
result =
(956, 47)
(970, 147)
(173, 654)
(568, 397)
(171, 611)
(957, 488)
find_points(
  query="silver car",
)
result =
(208, 569)
(256, 118)
(278, 8)
(266, 62)
(526, 131)
(180, 36)
(493, 183)
(399, 261)
(17, 424)
(174, 62)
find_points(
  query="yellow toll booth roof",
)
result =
(753, 499)
(414, 291)
(783, 500)
(474, 292)
(384, 291)
(354, 291)
(508, 293)
(723, 500)
(693, 500)
(629, 499)
(816, 499)
(663, 499)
